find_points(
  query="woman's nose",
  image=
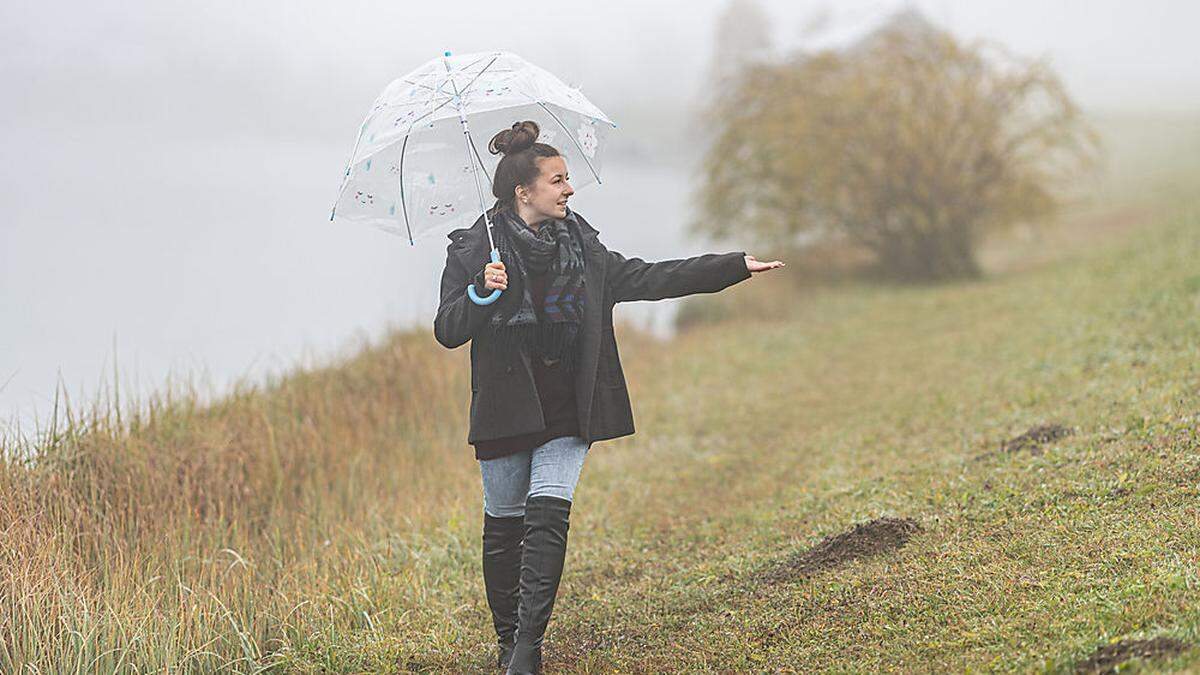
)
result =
(569, 191)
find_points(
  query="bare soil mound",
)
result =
(864, 540)
(1033, 439)
(1107, 658)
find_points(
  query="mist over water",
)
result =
(217, 259)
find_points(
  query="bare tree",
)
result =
(907, 142)
(741, 38)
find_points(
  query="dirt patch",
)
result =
(862, 541)
(1033, 439)
(1107, 658)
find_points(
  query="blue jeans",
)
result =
(550, 469)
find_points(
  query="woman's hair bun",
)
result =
(521, 136)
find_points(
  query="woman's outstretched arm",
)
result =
(636, 279)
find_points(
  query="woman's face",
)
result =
(549, 193)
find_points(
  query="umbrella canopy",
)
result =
(420, 163)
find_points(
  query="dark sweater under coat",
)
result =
(556, 392)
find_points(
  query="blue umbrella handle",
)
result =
(495, 291)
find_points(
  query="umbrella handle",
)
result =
(495, 291)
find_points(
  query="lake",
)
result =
(216, 260)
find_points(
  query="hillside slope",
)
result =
(1024, 450)
(997, 475)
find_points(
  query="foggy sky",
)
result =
(270, 69)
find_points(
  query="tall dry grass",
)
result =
(181, 536)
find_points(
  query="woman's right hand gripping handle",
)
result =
(495, 279)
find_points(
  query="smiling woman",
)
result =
(537, 402)
(519, 175)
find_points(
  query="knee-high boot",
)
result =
(501, 577)
(547, 519)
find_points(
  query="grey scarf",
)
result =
(556, 250)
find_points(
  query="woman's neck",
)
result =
(531, 218)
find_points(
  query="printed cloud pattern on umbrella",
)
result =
(412, 173)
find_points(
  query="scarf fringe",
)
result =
(537, 336)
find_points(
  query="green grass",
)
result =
(761, 435)
(330, 521)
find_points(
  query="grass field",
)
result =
(834, 481)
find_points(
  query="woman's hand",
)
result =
(494, 276)
(755, 265)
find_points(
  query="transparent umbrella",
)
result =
(417, 167)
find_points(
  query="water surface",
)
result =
(215, 259)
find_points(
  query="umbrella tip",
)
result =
(446, 53)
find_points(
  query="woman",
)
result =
(546, 380)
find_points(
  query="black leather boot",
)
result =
(547, 519)
(501, 576)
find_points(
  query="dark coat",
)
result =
(504, 400)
